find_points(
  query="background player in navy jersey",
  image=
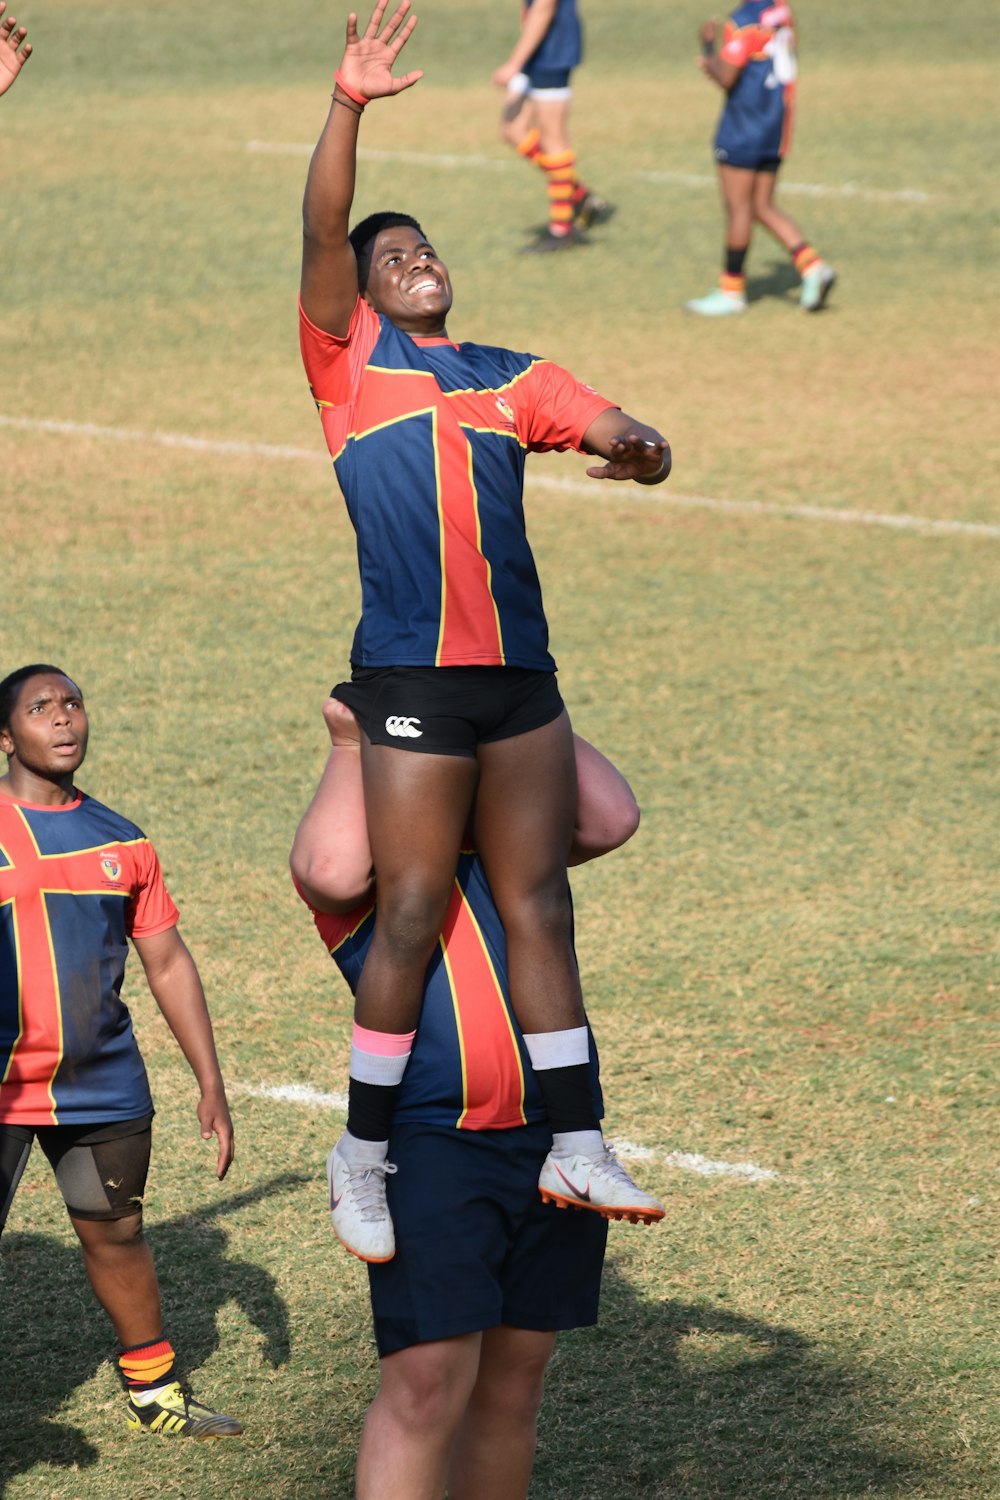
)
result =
(757, 70)
(452, 680)
(486, 1274)
(535, 116)
(14, 50)
(76, 881)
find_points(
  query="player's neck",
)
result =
(25, 785)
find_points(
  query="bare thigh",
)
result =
(525, 814)
(417, 807)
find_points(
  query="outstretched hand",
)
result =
(633, 457)
(14, 50)
(368, 59)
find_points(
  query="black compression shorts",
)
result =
(100, 1169)
(449, 710)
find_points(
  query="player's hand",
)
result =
(14, 50)
(214, 1119)
(633, 457)
(502, 76)
(368, 59)
(707, 33)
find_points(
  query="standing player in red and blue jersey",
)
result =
(486, 1274)
(535, 116)
(76, 882)
(452, 682)
(757, 70)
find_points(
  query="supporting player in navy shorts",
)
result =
(449, 710)
(476, 1246)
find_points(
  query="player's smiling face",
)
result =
(48, 729)
(407, 282)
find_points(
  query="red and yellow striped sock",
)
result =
(803, 256)
(736, 286)
(531, 146)
(147, 1365)
(560, 180)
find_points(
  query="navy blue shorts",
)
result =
(748, 160)
(547, 78)
(476, 1247)
(449, 710)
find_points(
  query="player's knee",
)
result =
(409, 922)
(517, 1398)
(110, 1234)
(430, 1396)
(544, 911)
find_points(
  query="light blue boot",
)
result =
(817, 284)
(718, 304)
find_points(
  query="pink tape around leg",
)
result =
(383, 1043)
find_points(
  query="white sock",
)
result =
(558, 1049)
(577, 1142)
(358, 1153)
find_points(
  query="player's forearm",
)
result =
(329, 194)
(533, 33)
(177, 990)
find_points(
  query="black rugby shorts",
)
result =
(449, 710)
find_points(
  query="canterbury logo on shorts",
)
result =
(405, 729)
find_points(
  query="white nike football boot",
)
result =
(358, 1210)
(600, 1183)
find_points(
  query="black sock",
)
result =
(569, 1097)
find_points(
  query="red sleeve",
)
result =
(739, 46)
(333, 365)
(332, 927)
(553, 409)
(151, 909)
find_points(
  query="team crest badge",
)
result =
(111, 865)
(504, 409)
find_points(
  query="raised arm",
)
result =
(14, 50)
(633, 450)
(329, 287)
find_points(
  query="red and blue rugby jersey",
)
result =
(429, 441)
(562, 45)
(469, 1067)
(75, 883)
(759, 39)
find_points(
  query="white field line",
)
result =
(671, 179)
(681, 1161)
(589, 489)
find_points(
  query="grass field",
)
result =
(792, 967)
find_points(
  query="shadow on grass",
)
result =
(681, 1399)
(778, 280)
(56, 1335)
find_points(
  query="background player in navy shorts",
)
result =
(76, 882)
(757, 70)
(485, 1274)
(453, 683)
(535, 116)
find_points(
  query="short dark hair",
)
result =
(10, 687)
(362, 235)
